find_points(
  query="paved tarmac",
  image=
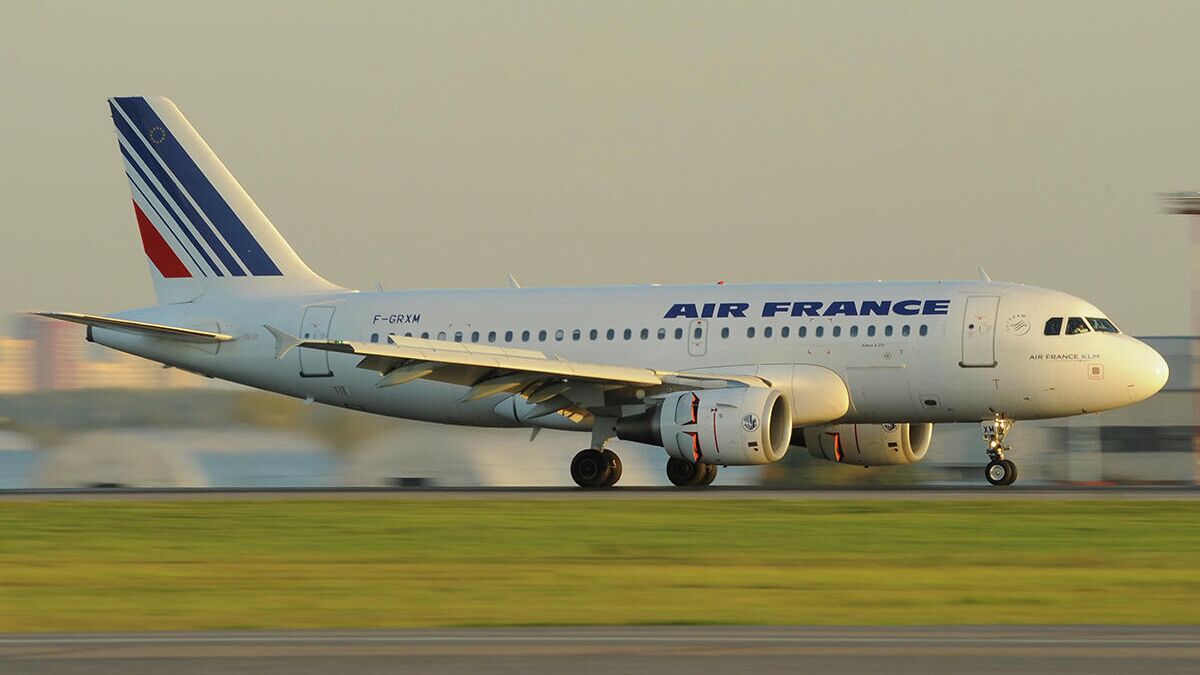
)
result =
(668, 650)
(982, 492)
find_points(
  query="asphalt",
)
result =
(663, 650)
(982, 492)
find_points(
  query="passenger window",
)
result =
(425, 335)
(697, 333)
(679, 333)
(871, 330)
(458, 336)
(611, 334)
(853, 331)
(906, 330)
(1102, 325)
(783, 332)
(441, 335)
(887, 331)
(1076, 325)
(542, 335)
(408, 335)
(559, 335)
(662, 333)
(593, 334)
(645, 333)
(628, 334)
(767, 332)
(475, 336)
(576, 334)
(837, 331)
(375, 338)
(802, 331)
(924, 330)
(819, 331)
(508, 336)
(491, 336)
(750, 332)
(524, 336)
(1053, 326)
(725, 332)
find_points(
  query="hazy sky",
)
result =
(447, 144)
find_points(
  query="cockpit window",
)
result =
(1054, 326)
(1076, 325)
(1102, 325)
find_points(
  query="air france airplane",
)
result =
(715, 375)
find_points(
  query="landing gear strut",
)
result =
(593, 468)
(999, 471)
(687, 474)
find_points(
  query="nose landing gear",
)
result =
(999, 471)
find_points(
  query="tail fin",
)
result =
(202, 233)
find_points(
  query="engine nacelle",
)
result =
(734, 426)
(869, 444)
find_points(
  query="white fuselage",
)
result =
(925, 351)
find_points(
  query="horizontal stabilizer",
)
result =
(140, 328)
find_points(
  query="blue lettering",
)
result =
(772, 308)
(806, 308)
(841, 307)
(682, 310)
(707, 310)
(907, 307)
(733, 309)
(872, 307)
(936, 307)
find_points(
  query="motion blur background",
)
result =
(447, 144)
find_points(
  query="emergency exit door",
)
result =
(698, 337)
(979, 332)
(315, 326)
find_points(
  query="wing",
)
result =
(550, 384)
(141, 328)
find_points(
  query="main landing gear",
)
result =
(688, 474)
(593, 468)
(999, 471)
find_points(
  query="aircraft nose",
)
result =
(1150, 374)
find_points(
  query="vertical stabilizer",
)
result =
(202, 233)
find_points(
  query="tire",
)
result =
(710, 474)
(685, 474)
(590, 468)
(1012, 472)
(614, 467)
(998, 472)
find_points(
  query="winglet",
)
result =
(284, 343)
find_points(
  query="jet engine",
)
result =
(734, 426)
(869, 444)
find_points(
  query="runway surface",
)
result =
(661, 650)
(982, 492)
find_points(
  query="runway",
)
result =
(982, 492)
(661, 650)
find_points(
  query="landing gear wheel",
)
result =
(688, 474)
(614, 467)
(590, 468)
(1000, 472)
(710, 475)
(1012, 471)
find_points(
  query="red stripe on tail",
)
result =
(169, 265)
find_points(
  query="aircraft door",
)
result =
(979, 332)
(698, 337)
(315, 326)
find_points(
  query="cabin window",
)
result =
(1076, 325)
(458, 336)
(802, 331)
(750, 332)
(819, 332)
(524, 336)
(725, 332)
(611, 334)
(559, 335)
(678, 333)
(425, 335)
(1053, 326)
(887, 330)
(783, 332)
(491, 336)
(1102, 325)
(837, 331)
(441, 335)
(375, 338)
(542, 335)
(924, 330)
(408, 335)
(906, 330)
(628, 334)
(767, 332)
(662, 333)
(475, 336)
(853, 331)
(576, 334)
(508, 335)
(593, 334)
(871, 330)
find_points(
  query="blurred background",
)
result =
(74, 414)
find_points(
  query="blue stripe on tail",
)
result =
(198, 186)
(187, 232)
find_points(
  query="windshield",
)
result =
(1102, 325)
(1076, 325)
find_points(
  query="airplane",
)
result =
(715, 374)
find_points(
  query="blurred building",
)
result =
(16, 365)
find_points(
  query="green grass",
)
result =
(361, 563)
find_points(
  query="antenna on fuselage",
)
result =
(512, 282)
(983, 275)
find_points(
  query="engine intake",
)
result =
(734, 426)
(869, 444)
